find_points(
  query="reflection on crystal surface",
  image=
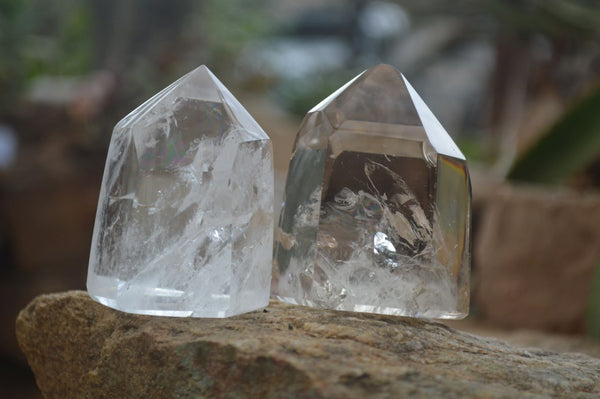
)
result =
(184, 218)
(377, 206)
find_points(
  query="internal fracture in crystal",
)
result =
(184, 221)
(376, 216)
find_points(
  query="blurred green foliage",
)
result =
(300, 95)
(228, 26)
(473, 149)
(40, 37)
(570, 145)
(555, 18)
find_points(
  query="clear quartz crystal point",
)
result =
(184, 222)
(376, 216)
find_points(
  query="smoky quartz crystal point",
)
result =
(376, 215)
(184, 224)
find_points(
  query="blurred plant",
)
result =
(169, 39)
(227, 26)
(557, 18)
(566, 149)
(473, 149)
(300, 95)
(41, 38)
(13, 18)
(541, 45)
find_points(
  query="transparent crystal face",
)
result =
(184, 221)
(376, 212)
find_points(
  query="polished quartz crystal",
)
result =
(184, 224)
(376, 215)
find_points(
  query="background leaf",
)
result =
(567, 148)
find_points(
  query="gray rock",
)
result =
(78, 348)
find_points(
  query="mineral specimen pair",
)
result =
(375, 216)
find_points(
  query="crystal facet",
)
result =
(184, 221)
(376, 216)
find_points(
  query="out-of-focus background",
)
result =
(516, 83)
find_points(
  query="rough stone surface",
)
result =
(540, 249)
(78, 348)
(568, 343)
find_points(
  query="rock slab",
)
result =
(78, 348)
